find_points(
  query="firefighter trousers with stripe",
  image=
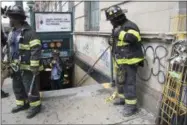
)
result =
(126, 83)
(21, 84)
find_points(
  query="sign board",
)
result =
(53, 22)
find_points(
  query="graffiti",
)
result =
(86, 48)
(154, 66)
(105, 58)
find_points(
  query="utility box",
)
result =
(55, 32)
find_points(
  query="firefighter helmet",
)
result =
(115, 15)
(113, 12)
(15, 10)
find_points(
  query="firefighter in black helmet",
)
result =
(24, 50)
(125, 40)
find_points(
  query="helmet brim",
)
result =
(15, 14)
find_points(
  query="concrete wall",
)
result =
(150, 17)
(158, 13)
(79, 16)
(90, 49)
(78, 75)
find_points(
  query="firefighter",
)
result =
(128, 55)
(24, 50)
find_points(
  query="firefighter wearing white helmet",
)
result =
(128, 54)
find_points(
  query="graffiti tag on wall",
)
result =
(91, 49)
(86, 48)
(105, 58)
(155, 65)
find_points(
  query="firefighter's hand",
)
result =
(110, 41)
(35, 71)
(116, 32)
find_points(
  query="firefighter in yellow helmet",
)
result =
(24, 51)
(128, 54)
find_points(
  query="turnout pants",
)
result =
(126, 83)
(21, 84)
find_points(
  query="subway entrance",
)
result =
(54, 29)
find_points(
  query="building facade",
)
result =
(157, 22)
(51, 6)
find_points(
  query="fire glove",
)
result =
(110, 41)
(35, 70)
(116, 32)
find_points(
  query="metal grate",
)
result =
(174, 105)
(173, 109)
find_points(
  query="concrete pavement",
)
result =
(82, 105)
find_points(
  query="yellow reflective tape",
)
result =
(19, 102)
(24, 67)
(34, 42)
(131, 102)
(135, 33)
(121, 43)
(24, 47)
(121, 96)
(129, 61)
(121, 35)
(27, 67)
(15, 61)
(110, 13)
(37, 103)
(34, 62)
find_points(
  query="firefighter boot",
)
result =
(34, 110)
(3, 94)
(19, 108)
(129, 110)
(119, 101)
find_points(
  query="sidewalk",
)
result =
(83, 105)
